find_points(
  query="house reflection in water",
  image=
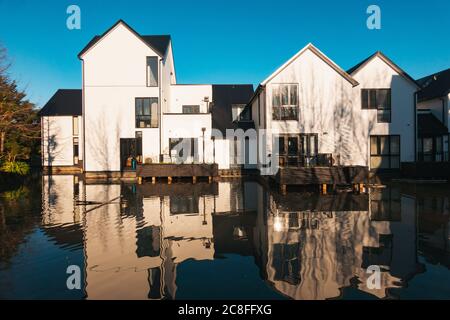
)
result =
(307, 246)
(317, 245)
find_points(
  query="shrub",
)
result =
(16, 167)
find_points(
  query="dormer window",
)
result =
(152, 71)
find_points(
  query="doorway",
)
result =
(127, 153)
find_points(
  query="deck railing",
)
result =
(307, 161)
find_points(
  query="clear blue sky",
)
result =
(218, 41)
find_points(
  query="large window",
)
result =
(191, 109)
(431, 149)
(385, 152)
(379, 99)
(385, 204)
(285, 102)
(301, 151)
(183, 205)
(152, 71)
(183, 150)
(146, 112)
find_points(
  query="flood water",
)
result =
(225, 240)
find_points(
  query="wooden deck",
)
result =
(322, 175)
(165, 170)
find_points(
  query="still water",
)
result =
(233, 239)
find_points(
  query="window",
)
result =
(191, 109)
(236, 110)
(385, 152)
(184, 205)
(298, 150)
(285, 102)
(386, 204)
(152, 71)
(183, 149)
(75, 126)
(146, 112)
(379, 99)
(75, 150)
(430, 149)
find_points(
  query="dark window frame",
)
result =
(146, 117)
(147, 71)
(173, 142)
(369, 101)
(285, 112)
(390, 155)
(435, 155)
(193, 107)
(287, 159)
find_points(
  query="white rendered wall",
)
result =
(114, 75)
(57, 141)
(189, 95)
(331, 107)
(325, 106)
(377, 74)
(188, 126)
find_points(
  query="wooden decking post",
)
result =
(153, 180)
(209, 179)
(194, 179)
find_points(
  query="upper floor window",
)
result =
(146, 112)
(191, 109)
(379, 99)
(236, 110)
(152, 71)
(285, 102)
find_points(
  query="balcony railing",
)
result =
(317, 160)
(285, 113)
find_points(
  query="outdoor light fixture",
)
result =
(203, 132)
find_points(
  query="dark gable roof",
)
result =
(428, 125)
(159, 43)
(435, 85)
(388, 61)
(65, 102)
(224, 96)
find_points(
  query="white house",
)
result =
(434, 117)
(318, 115)
(131, 108)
